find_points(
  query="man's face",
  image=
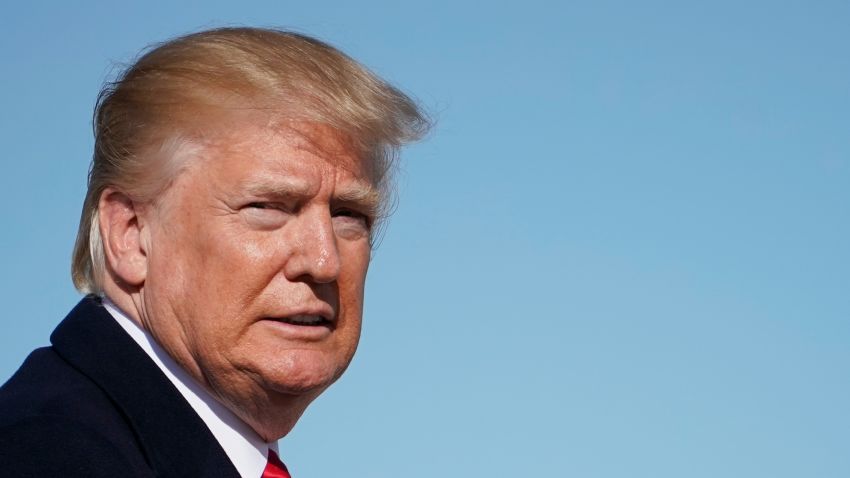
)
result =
(257, 257)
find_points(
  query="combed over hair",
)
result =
(156, 103)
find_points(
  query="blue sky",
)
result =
(623, 251)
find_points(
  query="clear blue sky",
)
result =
(622, 253)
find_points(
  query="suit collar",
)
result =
(245, 448)
(175, 441)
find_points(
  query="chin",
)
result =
(302, 373)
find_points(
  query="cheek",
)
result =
(231, 256)
(352, 287)
(355, 265)
(259, 252)
(212, 272)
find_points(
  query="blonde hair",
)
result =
(142, 118)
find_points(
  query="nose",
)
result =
(314, 256)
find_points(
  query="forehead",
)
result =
(251, 137)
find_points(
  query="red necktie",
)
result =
(275, 468)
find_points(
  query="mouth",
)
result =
(304, 320)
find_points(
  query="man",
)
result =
(238, 179)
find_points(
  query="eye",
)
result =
(352, 216)
(351, 224)
(265, 215)
(269, 206)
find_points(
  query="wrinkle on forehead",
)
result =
(233, 133)
(241, 136)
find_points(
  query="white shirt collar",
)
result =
(243, 446)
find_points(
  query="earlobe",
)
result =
(121, 232)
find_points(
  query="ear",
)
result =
(121, 231)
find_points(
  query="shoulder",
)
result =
(47, 384)
(54, 421)
(59, 446)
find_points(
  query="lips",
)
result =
(309, 320)
(302, 327)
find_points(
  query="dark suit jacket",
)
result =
(95, 405)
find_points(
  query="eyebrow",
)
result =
(279, 188)
(361, 195)
(365, 197)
